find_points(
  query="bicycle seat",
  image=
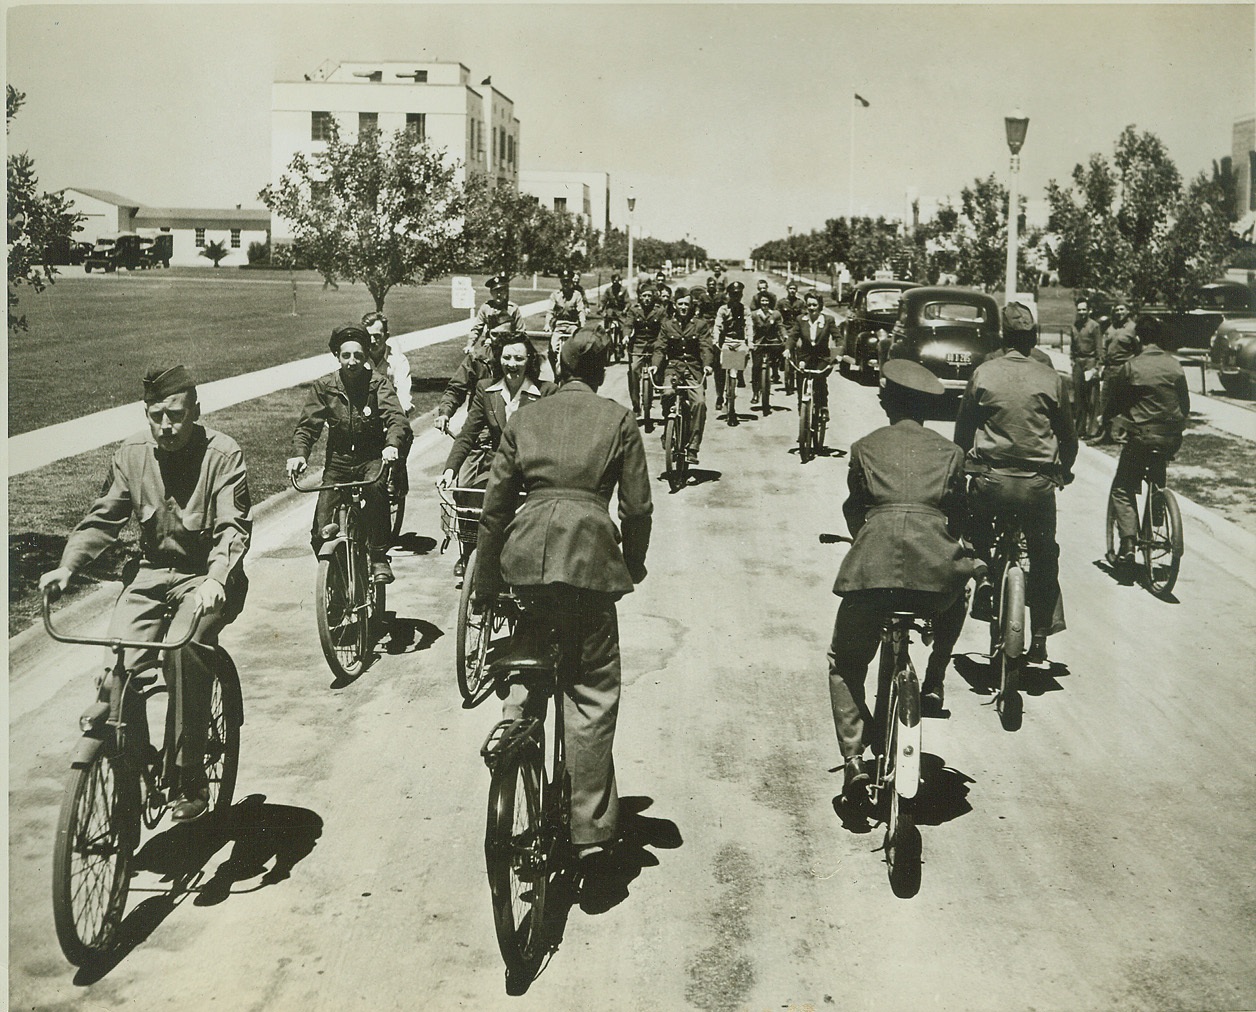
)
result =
(520, 669)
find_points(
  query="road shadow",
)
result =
(941, 797)
(413, 543)
(1123, 576)
(267, 842)
(605, 885)
(410, 635)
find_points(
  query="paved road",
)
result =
(1099, 857)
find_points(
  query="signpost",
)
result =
(462, 294)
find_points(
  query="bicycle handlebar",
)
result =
(811, 372)
(834, 539)
(113, 642)
(342, 484)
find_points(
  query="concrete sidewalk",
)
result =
(65, 439)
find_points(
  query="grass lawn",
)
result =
(96, 334)
(46, 504)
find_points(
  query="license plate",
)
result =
(959, 358)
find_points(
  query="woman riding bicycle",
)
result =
(769, 342)
(906, 497)
(496, 400)
(364, 422)
(683, 356)
(814, 334)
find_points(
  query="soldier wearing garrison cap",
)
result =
(561, 554)
(187, 487)
(365, 423)
(906, 498)
(1015, 424)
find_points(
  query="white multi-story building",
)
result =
(475, 125)
(583, 193)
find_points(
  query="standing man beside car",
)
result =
(1015, 425)
(1085, 347)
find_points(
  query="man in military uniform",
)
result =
(477, 361)
(906, 500)
(567, 306)
(1085, 348)
(684, 354)
(644, 319)
(561, 555)
(792, 309)
(1150, 396)
(712, 301)
(613, 306)
(187, 487)
(1015, 424)
(1120, 344)
(364, 424)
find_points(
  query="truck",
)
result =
(130, 250)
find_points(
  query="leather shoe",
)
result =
(932, 693)
(460, 568)
(983, 602)
(1037, 653)
(691, 456)
(856, 779)
(1125, 554)
(381, 571)
(192, 804)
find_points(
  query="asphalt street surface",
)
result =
(1099, 856)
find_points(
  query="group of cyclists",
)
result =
(571, 451)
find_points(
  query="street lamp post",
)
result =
(1016, 125)
(789, 253)
(632, 275)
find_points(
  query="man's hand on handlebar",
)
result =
(210, 595)
(55, 582)
(389, 454)
(441, 424)
(295, 466)
(446, 479)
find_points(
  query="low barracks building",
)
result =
(108, 214)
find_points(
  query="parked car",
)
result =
(948, 330)
(873, 310)
(1206, 308)
(1234, 356)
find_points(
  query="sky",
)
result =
(729, 122)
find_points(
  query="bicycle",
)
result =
(120, 780)
(764, 364)
(398, 487)
(615, 331)
(676, 432)
(733, 362)
(645, 385)
(811, 423)
(563, 329)
(528, 833)
(478, 632)
(898, 718)
(1160, 540)
(349, 607)
(1009, 569)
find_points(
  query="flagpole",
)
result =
(850, 180)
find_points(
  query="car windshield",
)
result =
(884, 301)
(954, 312)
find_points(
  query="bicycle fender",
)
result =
(326, 549)
(907, 762)
(89, 745)
(229, 679)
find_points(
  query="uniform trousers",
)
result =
(638, 361)
(695, 402)
(588, 625)
(856, 636)
(158, 604)
(1030, 501)
(1137, 460)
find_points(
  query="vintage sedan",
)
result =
(1234, 357)
(948, 330)
(873, 310)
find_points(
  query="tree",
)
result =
(384, 212)
(35, 221)
(215, 251)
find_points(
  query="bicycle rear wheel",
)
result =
(97, 832)
(647, 400)
(396, 509)
(340, 609)
(804, 431)
(902, 839)
(222, 747)
(1008, 659)
(820, 424)
(516, 858)
(472, 636)
(1162, 542)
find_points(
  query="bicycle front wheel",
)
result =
(804, 431)
(671, 442)
(340, 609)
(97, 832)
(1163, 543)
(472, 637)
(222, 747)
(516, 859)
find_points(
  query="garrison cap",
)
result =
(349, 332)
(903, 372)
(160, 383)
(583, 351)
(682, 293)
(1017, 318)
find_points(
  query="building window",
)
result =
(320, 126)
(417, 121)
(494, 143)
(200, 238)
(560, 204)
(367, 121)
(510, 151)
(235, 238)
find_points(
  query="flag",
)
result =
(487, 80)
(863, 101)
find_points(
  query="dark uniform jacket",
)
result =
(791, 309)
(356, 434)
(1016, 416)
(1119, 347)
(906, 482)
(613, 302)
(1149, 392)
(684, 343)
(492, 315)
(192, 507)
(567, 452)
(643, 327)
(1087, 342)
(487, 417)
